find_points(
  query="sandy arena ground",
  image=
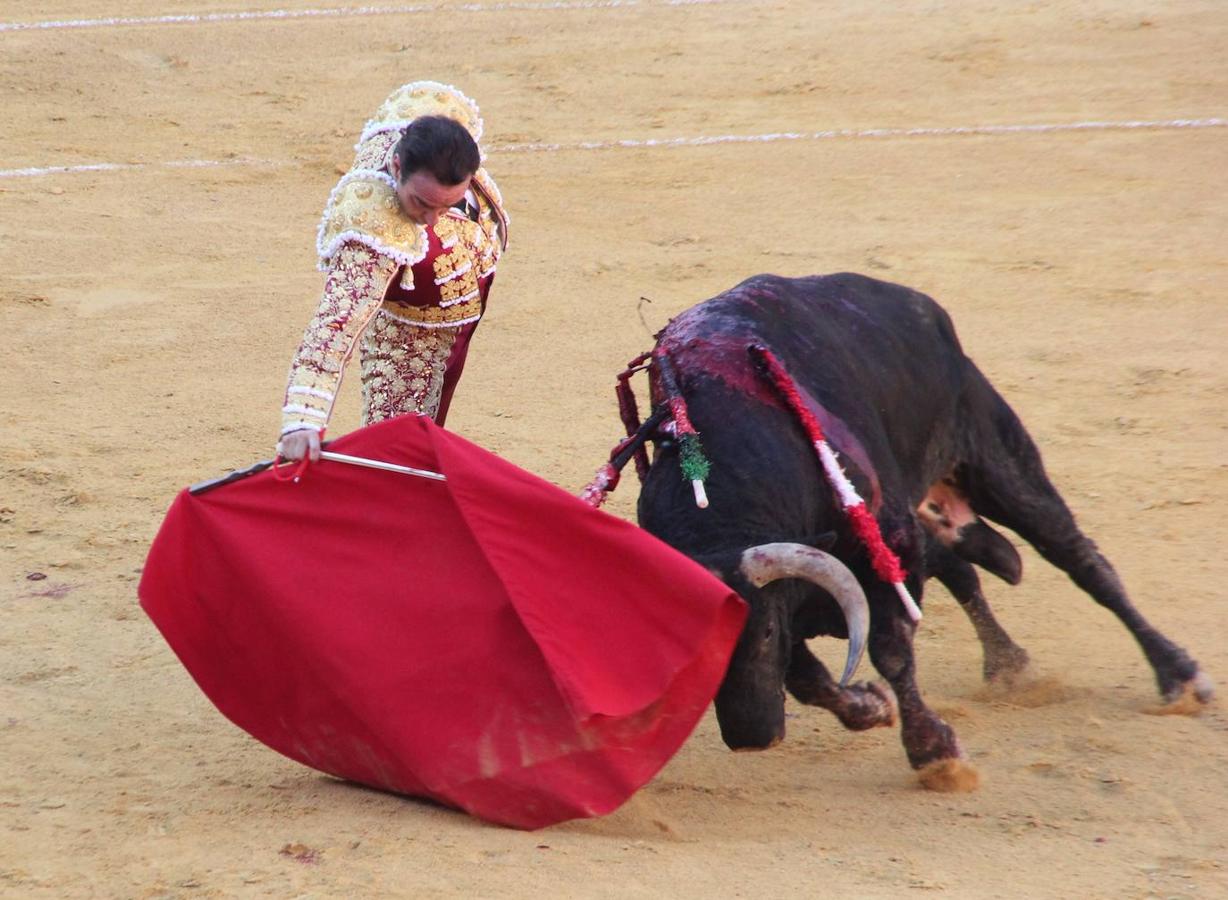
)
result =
(148, 315)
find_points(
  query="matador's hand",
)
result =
(297, 444)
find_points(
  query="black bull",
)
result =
(927, 442)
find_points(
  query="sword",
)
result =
(324, 454)
(380, 464)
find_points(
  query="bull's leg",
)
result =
(858, 706)
(1008, 484)
(1004, 660)
(1074, 553)
(930, 743)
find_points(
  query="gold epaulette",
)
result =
(423, 98)
(364, 207)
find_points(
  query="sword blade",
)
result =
(380, 464)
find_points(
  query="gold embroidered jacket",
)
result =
(408, 294)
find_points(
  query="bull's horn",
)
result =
(768, 562)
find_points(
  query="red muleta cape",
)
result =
(491, 642)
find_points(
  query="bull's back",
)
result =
(822, 317)
(882, 358)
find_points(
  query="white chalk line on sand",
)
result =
(34, 171)
(346, 12)
(846, 133)
(650, 143)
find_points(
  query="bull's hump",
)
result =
(714, 336)
(738, 312)
(839, 294)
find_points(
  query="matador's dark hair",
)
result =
(441, 146)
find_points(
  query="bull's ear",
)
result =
(723, 564)
(824, 541)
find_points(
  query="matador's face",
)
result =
(423, 198)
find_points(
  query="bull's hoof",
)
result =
(1006, 665)
(950, 776)
(1188, 699)
(869, 705)
(891, 713)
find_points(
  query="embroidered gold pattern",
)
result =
(366, 208)
(353, 287)
(493, 219)
(376, 152)
(426, 98)
(435, 316)
(403, 368)
(456, 270)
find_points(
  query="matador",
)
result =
(408, 242)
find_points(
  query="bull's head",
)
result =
(750, 703)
